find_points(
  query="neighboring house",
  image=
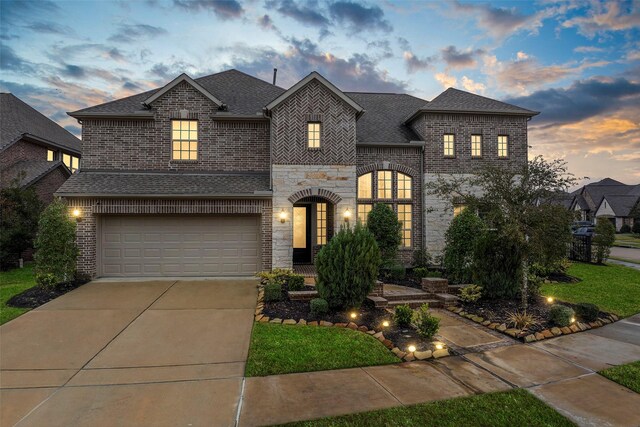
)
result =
(609, 199)
(34, 150)
(228, 175)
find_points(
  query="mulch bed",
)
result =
(37, 296)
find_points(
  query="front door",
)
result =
(302, 234)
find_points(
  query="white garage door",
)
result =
(179, 245)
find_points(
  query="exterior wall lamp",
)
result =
(76, 214)
(347, 215)
(283, 216)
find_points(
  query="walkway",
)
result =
(560, 371)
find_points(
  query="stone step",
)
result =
(447, 299)
(416, 303)
(406, 296)
(378, 302)
(455, 289)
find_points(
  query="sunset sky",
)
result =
(577, 62)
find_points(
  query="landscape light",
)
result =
(385, 323)
(573, 320)
(550, 300)
(439, 346)
(353, 315)
(412, 348)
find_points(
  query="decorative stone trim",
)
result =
(387, 166)
(536, 336)
(315, 191)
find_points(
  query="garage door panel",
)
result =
(174, 246)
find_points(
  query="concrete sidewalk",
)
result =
(561, 372)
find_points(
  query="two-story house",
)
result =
(228, 175)
(34, 150)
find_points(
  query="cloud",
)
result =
(472, 86)
(358, 17)
(224, 9)
(304, 13)
(415, 64)
(446, 80)
(128, 33)
(171, 70)
(460, 59)
(588, 49)
(84, 51)
(48, 27)
(500, 22)
(11, 61)
(605, 17)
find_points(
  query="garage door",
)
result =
(179, 245)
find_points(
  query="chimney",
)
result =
(275, 73)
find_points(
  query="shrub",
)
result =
(420, 272)
(460, 239)
(603, 238)
(396, 272)
(498, 265)
(347, 267)
(272, 292)
(561, 315)
(421, 258)
(426, 324)
(319, 307)
(522, 319)
(636, 227)
(587, 312)
(471, 293)
(385, 227)
(433, 273)
(403, 315)
(282, 276)
(295, 282)
(625, 229)
(46, 280)
(56, 249)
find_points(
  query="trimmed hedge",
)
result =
(587, 312)
(319, 307)
(272, 292)
(561, 314)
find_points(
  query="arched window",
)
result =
(365, 186)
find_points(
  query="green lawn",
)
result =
(627, 375)
(627, 240)
(13, 282)
(281, 349)
(613, 288)
(510, 408)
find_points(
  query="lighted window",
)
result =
(364, 186)
(313, 135)
(363, 213)
(73, 163)
(404, 216)
(50, 155)
(449, 145)
(385, 184)
(404, 186)
(503, 145)
(184, 140)
(457, 209)
(321, 223)
(476, 145)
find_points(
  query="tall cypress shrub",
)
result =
(383, 223)
(461, 238)
(497, 265)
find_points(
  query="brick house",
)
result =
(228, 175)
(34, 150)
(607, 199)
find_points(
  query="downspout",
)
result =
(424, 201)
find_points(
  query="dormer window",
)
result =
(184, 139)
(313, 135)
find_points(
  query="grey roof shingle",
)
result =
(243, 94)
(166, 184)
(384, 114)
(18, 118)
(29, 171)
(622, 204)
(456, 100)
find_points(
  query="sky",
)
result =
(577, 62)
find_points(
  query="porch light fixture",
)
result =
(347, 215)
(76, 214)
(385, 324)
(283, 216)
(411, 348)
(550, 300)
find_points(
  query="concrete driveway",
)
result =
(165, 352)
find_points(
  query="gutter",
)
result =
(102, 115)
(410, 144)
(255, 195)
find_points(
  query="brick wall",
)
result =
(314, 102)
(49, 184)
(146, 144)
(21, 150)
(91, 209)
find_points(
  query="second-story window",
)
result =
(476, 145)
(404, 186)
(51, 155)
(313, 135)
(184, 140)
(449, 141)
(73, 163)
(385, 183)
(503, 145)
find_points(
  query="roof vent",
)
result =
(275, 73)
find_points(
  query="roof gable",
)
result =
(621, 205)
(302, 83)
(173, 83)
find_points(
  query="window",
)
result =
(404, 216)
(313, 135)
(503, 145)
(73, 163)
(457, 209)
(51, 155)
(321, 223)
(184, 140)
(363, 213)
(385, 181)
(404, 186)
(476, 145)
(364, 186)
(449, 145)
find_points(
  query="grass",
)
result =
(627, 375)
(13, 282)
(510, 408)
(627, 240)
(281, 349)
(613, 288)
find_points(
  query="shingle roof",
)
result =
(17, 118)
(243, 94)
(166, 184)
(456, 100)
(622, 204)
(384, 115)
(33, 170)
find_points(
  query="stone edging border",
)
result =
(379, 335)
(537, 336)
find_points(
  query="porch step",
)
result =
(378, 302)
(406, 296)
(416, 303)
(455, 289)
(447, 299)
